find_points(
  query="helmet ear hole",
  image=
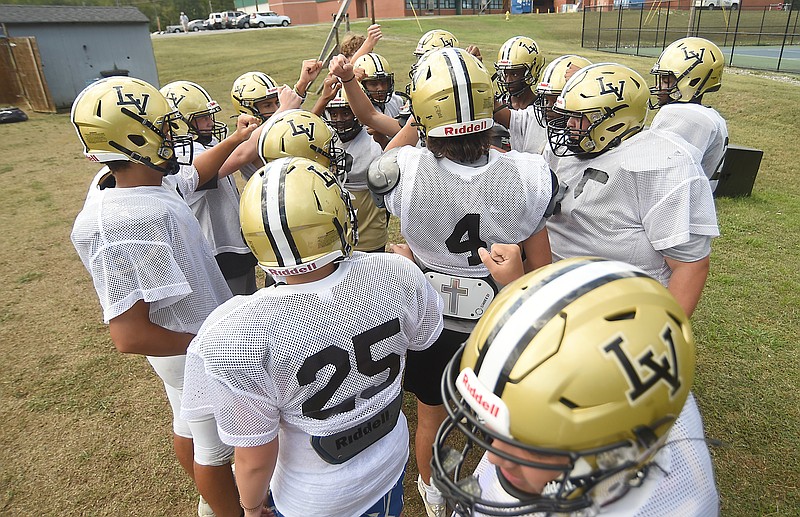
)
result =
(615, 128)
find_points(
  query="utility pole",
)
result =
(372, 10)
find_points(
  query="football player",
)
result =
(255, 93)
(632, 195)
(453, 197)
(215, 205)
(152, 268)
(527, 132)
(576, 385)
(686, 70)
(518, 65)
(378, 83)
(315, 361)
(362, 149)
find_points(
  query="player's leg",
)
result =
(212, 469)
(423, 375)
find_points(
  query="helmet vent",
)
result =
(137, 140)
(319, 205)
(98, 112)
(622, 316)
(567, 402)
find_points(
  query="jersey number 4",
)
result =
(469, 225)
(340, 360)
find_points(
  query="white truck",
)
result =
(716, 4)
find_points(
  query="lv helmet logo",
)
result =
(645, 372)
(301, 129)
(691, 55)
(609, 88)
(128, 99)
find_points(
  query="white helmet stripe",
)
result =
(275, 225)
(377, 63)
(461, 84)
(518, 328)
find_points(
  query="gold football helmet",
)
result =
(378, 82)
(552, 82)
(696, 65)
(195, 103)
(451, 94)
(127, 119)
(584, 364)
(300, 133)
(435, 39)
(519, 54)
(251, 88)
(613, 98)
(296, 217)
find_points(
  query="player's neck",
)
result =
(523, 100)
(138, 175)
(313, 276)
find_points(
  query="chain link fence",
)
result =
(763, 38)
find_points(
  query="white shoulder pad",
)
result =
(384, 173)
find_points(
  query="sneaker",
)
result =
(434, 502)
(204, 509)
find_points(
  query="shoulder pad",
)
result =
(384, 173)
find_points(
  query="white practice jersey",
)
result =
(217, 211)
(363, 149)
(392, 106)
(701, 127)
(682, 483)
(447, 210)
(631, 203)
(527, 135)
(144, 243)
(299, 362)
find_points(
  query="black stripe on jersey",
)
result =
(287, 232)
(265, 221)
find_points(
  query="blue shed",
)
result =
(78, 45)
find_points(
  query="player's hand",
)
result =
(330, 86)
(374, 35)
(475, 51)
(288, 98)
(245, 125)
(402, 250)
(310, 70)
(504, 262)
(341, 68)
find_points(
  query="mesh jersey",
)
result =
(217, 211)
(701, 127)
(363, 149)
(447, 210)
(248, 169)
(631, 203)
(527, 135)
(682, 484)
(143, 243)
(250, 356)
(392, 105)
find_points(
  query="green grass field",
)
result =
(85, 430)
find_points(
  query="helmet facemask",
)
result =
(381, 90)
(521, 78)
(216, 129)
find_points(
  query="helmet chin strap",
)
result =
(171, 166)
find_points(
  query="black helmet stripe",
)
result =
(512, 334)
(276, 225)
(462, 85)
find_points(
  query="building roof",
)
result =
(70, 14)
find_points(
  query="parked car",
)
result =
(243, 21)
(264, 19)
(215, 21)
(716, 4)
(174, 28)
(231, 17)
(197, 25)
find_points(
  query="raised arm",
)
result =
(209, 163)
(359, 102)
(374, 35)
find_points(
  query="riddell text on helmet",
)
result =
(466, 128)
(297, 270)
(477, 397)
